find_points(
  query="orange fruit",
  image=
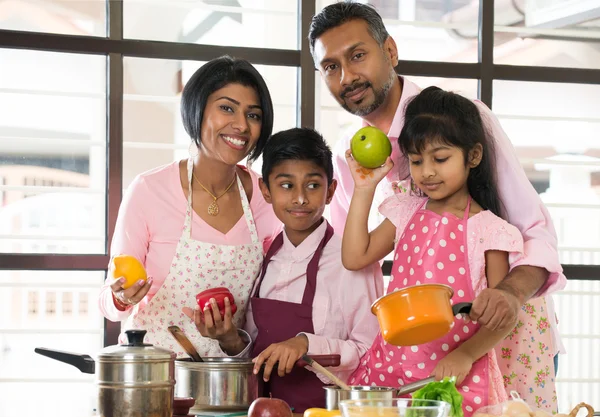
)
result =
(130, 268)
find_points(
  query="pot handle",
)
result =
(461, 308)
(413, 386)
(323, 360)
(84, 363)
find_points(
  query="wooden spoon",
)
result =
(185, 343)
(311, 362)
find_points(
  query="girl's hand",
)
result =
(210, 324)
(364, 177)
(456, 363)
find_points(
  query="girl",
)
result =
(447, 230)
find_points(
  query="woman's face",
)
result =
(231, 124)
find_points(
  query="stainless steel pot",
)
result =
(217, 383)
(134, 379)
(334, 394)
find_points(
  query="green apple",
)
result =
(370, 147)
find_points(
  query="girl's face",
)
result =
(440, 170)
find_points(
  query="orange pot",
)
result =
(418, 314)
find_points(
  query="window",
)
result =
(33, 303)
(51, 303)
(83, 304)
(67, 303)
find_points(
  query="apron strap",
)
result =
(467, 209)
(313, 268)
(275, 246)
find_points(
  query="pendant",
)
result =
(213, 208)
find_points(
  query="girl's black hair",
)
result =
(214, 75)
(438, 115)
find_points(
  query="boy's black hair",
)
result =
(297, 144)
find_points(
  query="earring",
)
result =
(193, 150)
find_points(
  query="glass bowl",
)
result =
(397, 407)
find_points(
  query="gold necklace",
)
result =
(213, 208)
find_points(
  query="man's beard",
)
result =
(380, 96)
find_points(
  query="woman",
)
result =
(200, 223)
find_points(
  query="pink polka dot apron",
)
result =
(431, 250)
(198, 266)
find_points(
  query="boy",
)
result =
(305, 301)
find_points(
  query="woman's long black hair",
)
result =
(438, 115)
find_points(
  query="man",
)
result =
(356, 58)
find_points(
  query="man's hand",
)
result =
(284, 354)
(495, 309)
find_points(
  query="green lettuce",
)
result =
(444, 390)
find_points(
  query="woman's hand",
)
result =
(284, 354)
(365, 177)
(210, 324)
(456, 363)
(125, 298)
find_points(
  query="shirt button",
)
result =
(480, 240)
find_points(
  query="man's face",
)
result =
(358, 72)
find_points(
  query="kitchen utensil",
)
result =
(220, 384)
(133, 378)
(185, 343)
(181, 406)
(217, 383)
(325, 372)
(334, 394)
(417, 314)
(398, 407)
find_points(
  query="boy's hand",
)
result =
(284, 354)
(210, 324)
(456, 363)
(365, 177)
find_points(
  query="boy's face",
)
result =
(299, 192)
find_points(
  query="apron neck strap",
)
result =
(311, 269)
(467, 209)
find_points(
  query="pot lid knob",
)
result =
(135, 338)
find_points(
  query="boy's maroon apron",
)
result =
(278, 321)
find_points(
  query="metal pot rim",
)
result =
(361, 388)
(215, 363)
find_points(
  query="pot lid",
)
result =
(135, 350)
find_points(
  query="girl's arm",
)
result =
(359, 247)
(458, 362)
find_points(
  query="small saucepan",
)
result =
(333, 394)
(220, 384)
(417, 314)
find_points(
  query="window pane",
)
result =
(578, 370)
(547, 33)
(432, 30)
(254, 23)
(52, 152)
(153, 132)
(35, 313)
(69, 17)
(559, 149)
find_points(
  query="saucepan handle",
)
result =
(323, 360)
(413, 386)
(461, 308)
(84, 363)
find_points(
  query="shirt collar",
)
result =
(308, 246)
